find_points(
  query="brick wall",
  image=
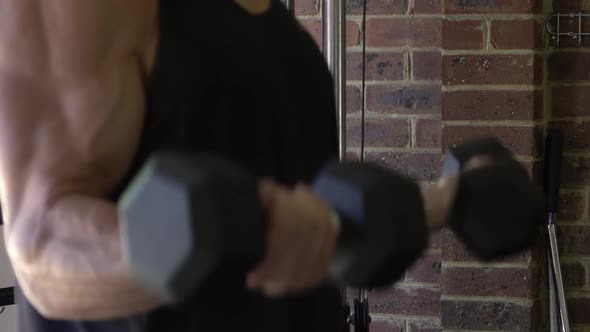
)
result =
(441, 72)
(492, 84)
(403, 127)
(568, 70)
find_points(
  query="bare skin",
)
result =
(72, 76)
(254, 7)
(303, 231)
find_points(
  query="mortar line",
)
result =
(490, 299)
(414, 143)
(488, 52)
(413, 318)
(493, 265)
(569, 84)
(410, 9)
(487, 35)
(396, 82)
(408, 62)
(492, 123)
(492, 87)
(395, 150)
(399, 49)
(380, 116)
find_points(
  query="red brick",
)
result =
(306, 7)
(435, 240)
(404, 99)
(352, 156)
(427, 66)
(379, 66)
(574, 275)
(462, 35)
(424, 326)
(566, 6)
(492, 105)
(578, 309)
(489, 316)
(353, 99)
(414, 32)
(571, 206)
(353, 34)
(535, 170)
(314, 28)
(573, 239)
(538, 253)
(387, 325)
(387, 32)
(569, 66)
(491, 6)
(453, 249)
(377, 7)
(379, 133)
(570, 101)
(476, 281)
(427, 7)
(426, 269)
(576, 135)
(424, 32)
(419, 166)
(492, 69)
(521, 140)
(406, 301)
(575, 170)
(516, 34)
(428, 133)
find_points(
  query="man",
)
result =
(89, 88)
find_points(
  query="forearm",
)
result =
(70, 262)
(438, 198)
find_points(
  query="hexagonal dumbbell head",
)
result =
(187, 218)
(459, 155)
(497, 209)
(383, 223)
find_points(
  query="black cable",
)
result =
(361, 306)
(363, 80)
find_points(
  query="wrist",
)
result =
(335, 220)
(438, 199)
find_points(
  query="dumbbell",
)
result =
(497, 209)
(193, 224)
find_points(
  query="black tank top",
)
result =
(256, 90)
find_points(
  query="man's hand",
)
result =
(440, 196)
(302, 234)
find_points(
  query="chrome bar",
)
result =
(334, 46)
(558, 279)
(553, 309)
(290, 4)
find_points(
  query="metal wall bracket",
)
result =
(557, 33)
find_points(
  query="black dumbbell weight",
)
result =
(194, 224)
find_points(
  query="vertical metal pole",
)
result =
(557, 277)
(553, 157)
(553, 309)
(290, 4)
(334, 45)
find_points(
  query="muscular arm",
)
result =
(71, 107)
